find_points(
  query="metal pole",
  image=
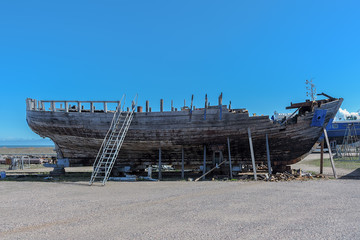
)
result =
(252, 154)
(230, 165)
(322, 157)
(159, 166)
(331, 156)
(182, 163)
(268, 155)
(204, 166)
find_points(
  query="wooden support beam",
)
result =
(160, 165)
(172, 105)
(161, 105)
(79, 106)
(203, 176)
(322, 157)
(105, 107)
(147, 106)
(268, 154)
(252, 154)
(92, 107)
(53, 108)
(66, 106)
(220, 106)
(330, 153)
(206, 106)
(182, 163)
(191, 106)
(204, 165)
(230, 165)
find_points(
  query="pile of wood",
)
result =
(290, 175)
(293, 174)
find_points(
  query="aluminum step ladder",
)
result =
(112, 143)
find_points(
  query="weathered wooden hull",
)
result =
(79, 135)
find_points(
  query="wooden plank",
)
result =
(182, 163)
(330, 153)
(160, 165)
(268, 154)
(252, 154)
(230, 165)
(204, 165)
(322, 157)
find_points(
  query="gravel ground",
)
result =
(317, 209)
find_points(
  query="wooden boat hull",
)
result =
(79, 135)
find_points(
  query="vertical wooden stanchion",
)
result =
(161, 105)
(204, 166)
(230, 165)
(160, 165)
(182, 163)
(322, 157)
(206, 106)
(105, 107)
(147, 106)
(330, 153)
(268, 154)
(252, 154)
(66, 106)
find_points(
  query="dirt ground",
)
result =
(317, 209)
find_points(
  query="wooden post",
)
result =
(252, 154)
(91, 107)
(322, 157)
(147, 106)
(230, 105)
(182, 162)
(160, 165)
(204, 166)
(53, 108)
(220, 106)
(66, 106)
(150, 171)
(330, 153)
(192, 101)
(161, 105)
(79, 106)
(105, 107)
(172, 105)
(230, 165)
(268, 154)
(206, 106)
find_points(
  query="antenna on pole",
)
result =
(311, 90)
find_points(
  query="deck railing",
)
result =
(71, 106)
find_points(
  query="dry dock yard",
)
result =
(315, 209)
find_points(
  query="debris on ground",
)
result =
(290, 175)
(293, 174)
(131, 178)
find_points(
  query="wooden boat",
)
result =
(78, 132)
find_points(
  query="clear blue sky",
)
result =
(258, 53)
